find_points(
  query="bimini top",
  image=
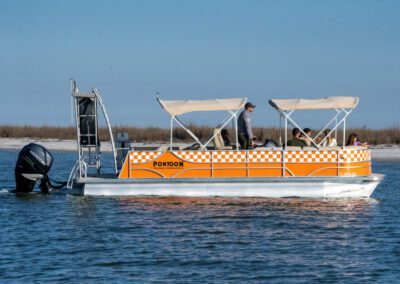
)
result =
(184, 106)
(324, 103)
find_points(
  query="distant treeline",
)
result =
(158, 135)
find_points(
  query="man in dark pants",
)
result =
(245, 133)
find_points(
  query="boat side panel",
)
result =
(311, 169)
(220, 164)
(251, 189)
(355, 169)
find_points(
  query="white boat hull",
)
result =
(338, 187)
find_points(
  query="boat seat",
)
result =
(162, 148)
(219, 142)
(265, 149)
(268, 149)
(293, 148)
(329, 148)
(310, 148)
(194, 146)
(355, 147)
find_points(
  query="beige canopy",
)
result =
(184, 106)
(324, 103)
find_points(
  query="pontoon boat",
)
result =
(211, 169)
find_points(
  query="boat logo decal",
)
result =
(168, 164)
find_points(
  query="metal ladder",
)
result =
(87, 128)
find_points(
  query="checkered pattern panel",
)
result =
(265, 157)
(194, 156)
(311, 157)
(229, 157)
(350, 156)
(142, 157)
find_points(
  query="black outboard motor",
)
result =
(33, 164)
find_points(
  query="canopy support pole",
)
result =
(288, 119)
(229, 118)
(188, 131)
(236, 131)
(327, 125)
(171, 132)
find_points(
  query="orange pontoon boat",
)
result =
(217, 170)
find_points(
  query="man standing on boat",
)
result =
(245, 133)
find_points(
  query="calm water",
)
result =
(62, 238)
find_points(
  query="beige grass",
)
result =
(157, 134)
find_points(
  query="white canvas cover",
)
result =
(323, 103)
(175, 108)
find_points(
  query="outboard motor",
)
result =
(33, 164)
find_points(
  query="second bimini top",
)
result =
(178, 107)
(324, 103)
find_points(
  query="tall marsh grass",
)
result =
(159, 135)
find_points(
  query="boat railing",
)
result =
(79, 169)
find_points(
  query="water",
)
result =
(60, 238)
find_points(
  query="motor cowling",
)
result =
(33, 164)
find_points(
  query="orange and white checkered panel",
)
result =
(351, 156)
(265, 156)
(194, 156)
(229, 156)
(143, 157)
(311, 157)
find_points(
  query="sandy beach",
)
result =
(379, 152)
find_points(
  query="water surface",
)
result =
(61, 238)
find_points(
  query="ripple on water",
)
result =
(59, 238)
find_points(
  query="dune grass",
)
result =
(159, 135)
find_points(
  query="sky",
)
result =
(132, 50)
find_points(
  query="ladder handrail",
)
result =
(95, 95)
(95, 91)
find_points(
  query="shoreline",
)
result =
(379, 152)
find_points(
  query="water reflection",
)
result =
(296, 204)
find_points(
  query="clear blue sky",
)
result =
(197, 49)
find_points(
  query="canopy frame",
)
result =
(337, 120)
(232, 116)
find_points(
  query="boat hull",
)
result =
(330, 187)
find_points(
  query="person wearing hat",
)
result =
(245, 133)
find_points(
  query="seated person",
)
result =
(308, 140)
(269, 143)
(225, 137)
(329, 141)
(354, 141)
(296, 141)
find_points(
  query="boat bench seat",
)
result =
(293, 148)
(355, 147)
(330, 148)
(268, 149)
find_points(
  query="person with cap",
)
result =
(245, 133)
